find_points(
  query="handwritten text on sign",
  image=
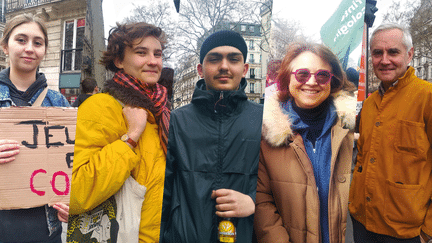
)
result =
(41, 173)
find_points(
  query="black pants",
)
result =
(362, 235)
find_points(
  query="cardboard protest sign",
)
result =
(41, 172)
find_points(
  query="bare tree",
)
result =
(399, 13)
(196, 20)
(284, 32)
(415, 15)
(421, 29)
(199, 18)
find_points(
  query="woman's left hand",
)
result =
(62, 211)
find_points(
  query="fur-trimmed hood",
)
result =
(277, 125)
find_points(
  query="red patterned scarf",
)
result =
(157, 94)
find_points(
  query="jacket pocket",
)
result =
(356, 189)
(404, 204)
(410, 137)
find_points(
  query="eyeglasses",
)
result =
(322, 76)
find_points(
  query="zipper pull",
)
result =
(220, 98)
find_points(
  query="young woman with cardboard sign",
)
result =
(25, 42)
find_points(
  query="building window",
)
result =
(251, 58)
(243, 27)
(251, 44)
(251, 28)
(251, 88)
(252, 73)
(73, 44)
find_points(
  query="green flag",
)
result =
(342, 33)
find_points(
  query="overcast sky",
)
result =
(117, 10)
(310, 18)
(317, 12)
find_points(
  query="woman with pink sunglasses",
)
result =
(305, 161)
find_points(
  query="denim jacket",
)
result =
(52, 98)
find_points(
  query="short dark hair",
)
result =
(88, 85)
(294, 50)
(126, 35)
(19, 20)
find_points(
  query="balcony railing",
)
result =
(14, 5)
(71, 60)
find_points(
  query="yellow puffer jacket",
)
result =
(102, 162)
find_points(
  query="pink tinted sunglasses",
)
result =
(322, 76)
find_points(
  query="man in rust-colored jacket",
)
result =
(390, 195)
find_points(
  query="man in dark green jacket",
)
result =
(213, 149)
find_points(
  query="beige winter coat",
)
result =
(287, 202)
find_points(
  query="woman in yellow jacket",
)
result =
(123, 131)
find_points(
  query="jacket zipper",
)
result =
(220, 145)
(317, 193)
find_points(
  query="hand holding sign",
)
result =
(8, 150)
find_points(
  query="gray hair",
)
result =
(406, 35)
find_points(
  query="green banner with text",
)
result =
(342, 33)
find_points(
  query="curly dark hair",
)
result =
(126, 35)
(338, 81)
